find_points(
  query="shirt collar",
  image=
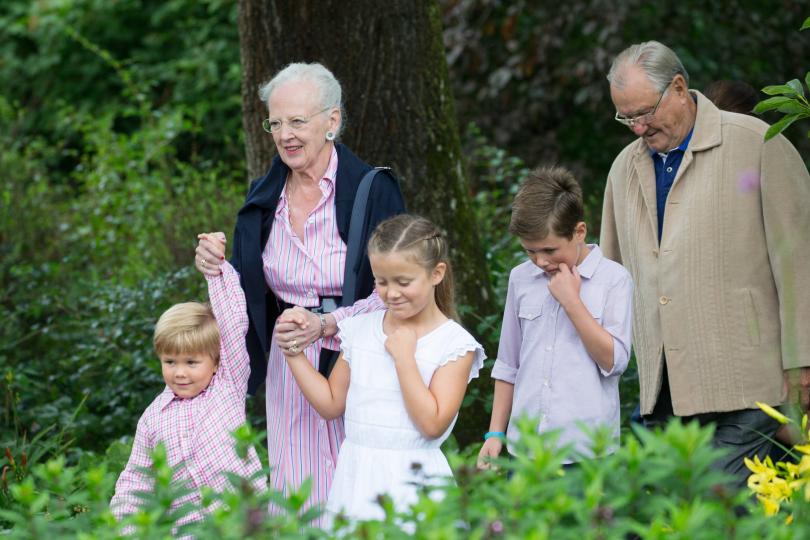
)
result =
(327, 183)
(682, 147)
(592, 260)
(165, 397)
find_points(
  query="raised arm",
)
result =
(565, 287)
(230, 310)
(431, 408)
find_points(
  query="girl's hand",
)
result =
(565, 285)
(296, 328)
(210, 253)
(491, 449)
(401, 343)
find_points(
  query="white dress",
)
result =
(382, 444)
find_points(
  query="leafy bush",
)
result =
(657, 485)
(98, 224)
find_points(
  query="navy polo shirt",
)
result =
(666, 167)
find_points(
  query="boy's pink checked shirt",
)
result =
(196, 431)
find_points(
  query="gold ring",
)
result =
(294, 349)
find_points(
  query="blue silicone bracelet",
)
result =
(498, 434)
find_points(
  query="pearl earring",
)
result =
(330, 135)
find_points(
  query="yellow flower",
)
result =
(803, 448)
(771, 507)
(773, 413)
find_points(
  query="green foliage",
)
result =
(181, 54)
(657, 485)
(107, 180)
(790, 99)
(532, 75)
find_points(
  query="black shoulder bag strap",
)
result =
(354, 248)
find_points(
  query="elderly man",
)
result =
(712, 223)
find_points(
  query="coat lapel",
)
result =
(645, 173)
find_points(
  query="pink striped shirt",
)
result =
(301, 444)
(196, 431)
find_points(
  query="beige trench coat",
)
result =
(726, 295)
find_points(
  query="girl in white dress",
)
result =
(401, 375)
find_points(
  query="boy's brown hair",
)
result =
(549, 201)
(187, 328)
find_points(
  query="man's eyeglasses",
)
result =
(296, 123)
(643, 118)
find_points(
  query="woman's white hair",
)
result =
(656, 60)
(328, 86)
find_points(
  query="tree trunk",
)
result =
(389, 58)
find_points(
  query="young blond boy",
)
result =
(205, 366)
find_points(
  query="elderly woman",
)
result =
(290, 250)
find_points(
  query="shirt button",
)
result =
(546, 383)
(663, 300)
(548, 348)
(310, 294)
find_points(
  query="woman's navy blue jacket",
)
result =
(253, 225)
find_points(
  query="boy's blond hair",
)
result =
(187, 328)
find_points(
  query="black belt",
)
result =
(326, 304)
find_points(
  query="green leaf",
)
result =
(807, 79)
(806, 24)
(794, 107)
(780, 126)
(779, 89)
(797, 86)
(772, 103)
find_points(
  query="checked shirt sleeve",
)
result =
(132, 480)
(230, 309)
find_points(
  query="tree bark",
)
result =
(389, 57)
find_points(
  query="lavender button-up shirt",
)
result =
(540, 352)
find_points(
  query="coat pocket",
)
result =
(748, 312)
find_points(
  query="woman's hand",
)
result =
(210, 253)
(296, 328)
(491, 449)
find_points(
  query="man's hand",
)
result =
(798, 386)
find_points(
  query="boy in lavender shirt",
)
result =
(565, 338)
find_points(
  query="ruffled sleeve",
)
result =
(460, 344)
(345, 334)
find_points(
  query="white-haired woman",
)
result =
(289, 248)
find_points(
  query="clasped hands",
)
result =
(296, 329)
